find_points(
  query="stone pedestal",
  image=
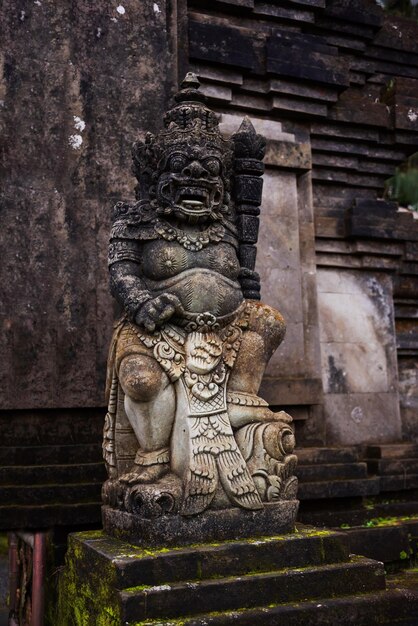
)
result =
(306, 577)
(212, 525)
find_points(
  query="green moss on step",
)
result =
(87, 590)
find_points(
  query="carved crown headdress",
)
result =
(191, 119)
(190, 122)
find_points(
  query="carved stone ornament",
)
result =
(185, 430)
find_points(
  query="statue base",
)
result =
(212, 525)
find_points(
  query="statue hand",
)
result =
(157, 311)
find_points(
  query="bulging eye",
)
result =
(213, 166)
(177, 162)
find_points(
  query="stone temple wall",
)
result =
(80, 81)
(333, 84)
(342, 79)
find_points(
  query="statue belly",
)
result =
(200, 290)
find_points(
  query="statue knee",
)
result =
(269, 324)
(141, 377)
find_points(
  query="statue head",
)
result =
(185, 170)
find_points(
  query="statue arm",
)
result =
(142, 307)
(127, 286)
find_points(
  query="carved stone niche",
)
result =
(192, 451)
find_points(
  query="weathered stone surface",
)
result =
(282, 391)
(221, 44)
(63, 427)
(322, 93)
(320, 490)
(393, 451)
(205, 582)
(295, 106)
(286, 256)
(363, 417)
(50, 494)
(389, 543)
(358, 576)
(317, 61)
(271, 9)
(398, 482)
(340, 471)
(212, 525)
(289, 155)
(311, 456)
(135, 566)
(53, 477)
(358, 357)
(53, 474)
(350, 611)
(44, 515)
(67, 105)
(50, 455)
(385, 467)
(355, 511)
(380, 219)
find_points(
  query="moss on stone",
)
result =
(87, 590)
(92, 534)
(4, 547)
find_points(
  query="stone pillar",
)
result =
(286, 264)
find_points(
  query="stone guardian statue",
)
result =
(185, 430)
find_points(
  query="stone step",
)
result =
(52, 427)
(52, 474)
(404, 579)
(390, 544)
(337, 471)
(339, 488)
(356, 512)
(393, 451)
(313, 456)
(50, 454)
(133, 566)
(387, 467)
(392, 540)
(46, 516)
(210, 525)
(372, 609)
(50, 494)
(398, 482)
(359, 575)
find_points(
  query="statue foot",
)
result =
(145, 474)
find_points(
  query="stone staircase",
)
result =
(326, 473)
(395, 464)
(307, 577)
(51, 468)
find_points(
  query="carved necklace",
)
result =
(195, 242)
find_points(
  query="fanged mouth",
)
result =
(193, 198)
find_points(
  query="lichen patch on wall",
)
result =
(79, 123)
(75, 141)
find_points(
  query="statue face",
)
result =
(190, 184)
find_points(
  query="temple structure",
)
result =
(332, 87)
